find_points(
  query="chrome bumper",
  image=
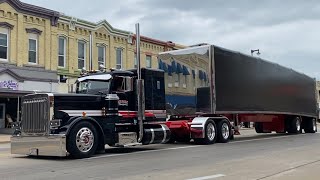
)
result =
(53, 145)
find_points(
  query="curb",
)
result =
(5, 142)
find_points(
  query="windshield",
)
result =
(93, 86)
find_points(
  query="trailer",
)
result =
(235, 88)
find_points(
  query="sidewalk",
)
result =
(4, 138)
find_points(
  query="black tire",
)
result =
(78, 149)
(310, 125)
(294, 126)
(224, 131)
(208, 138)
(258, 126)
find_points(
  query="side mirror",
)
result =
(128, 84)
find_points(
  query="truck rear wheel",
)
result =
(258, 126)
(310, 126)
(223, 128)
(294, 125)
(82, 140)
(210, 134)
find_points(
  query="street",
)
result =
(249, 156)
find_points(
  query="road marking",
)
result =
(183, 147)
(208, 177)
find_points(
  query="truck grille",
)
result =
(35, 114)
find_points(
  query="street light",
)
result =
(254, 50)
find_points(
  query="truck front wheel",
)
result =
(82, 140)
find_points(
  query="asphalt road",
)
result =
(270, 156)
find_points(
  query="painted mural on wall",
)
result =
(9, 84)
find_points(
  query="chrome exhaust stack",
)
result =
(140, 87)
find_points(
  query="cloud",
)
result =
(284, 31)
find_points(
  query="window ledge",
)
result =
(176, 84)
(169, 84)
(33, 65)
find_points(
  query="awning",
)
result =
(173, 66)
(185, 70)
(204, 76)
(193, 74)
(160, 64)
(169, 70)
(164, 67)
(179, 68)
(200, 75)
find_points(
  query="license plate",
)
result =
(33, 151)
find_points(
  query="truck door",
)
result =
(123, 87)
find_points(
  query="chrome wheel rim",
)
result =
(225, 131)
(314, 122)
(298, 125)
(211, 132)
(84, 139)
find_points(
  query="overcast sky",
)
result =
(286, 32)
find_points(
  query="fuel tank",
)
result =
(156, 134)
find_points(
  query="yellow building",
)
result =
(43, 50)
(108, 46)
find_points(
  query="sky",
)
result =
(286, 32)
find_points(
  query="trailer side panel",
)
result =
(247, 84)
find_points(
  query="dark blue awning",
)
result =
(160, 64)
(179, 68)
(200, 74)
(164, 67)
(169, 70)
(185, 70)
(193, 74)
(173, 66)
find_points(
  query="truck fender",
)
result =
(89, 119)
(197, 126)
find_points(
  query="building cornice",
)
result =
(34, 10)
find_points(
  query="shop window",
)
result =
(62, 52)
(101, 55)
(119, 58)
(81, 54)
(4, 43)
(33, 48)
(148, 61)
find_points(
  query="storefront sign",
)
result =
(9, 84)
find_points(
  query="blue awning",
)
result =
(160, 64)
(179, 68)
(169, 70)
(204, 76)
(200, 74)
(164, 67)
(173, 66)
(185, 70)
(193, 74)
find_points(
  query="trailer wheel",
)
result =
(82, 140)
(258, 126)
(310, 126)
(223, 128)
(210, 136)
(295, 125)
